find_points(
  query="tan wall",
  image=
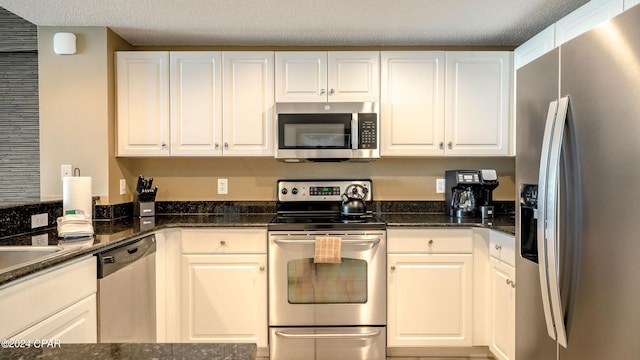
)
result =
(77, 111)
(73, 109)
(114, 43)
(255, 178)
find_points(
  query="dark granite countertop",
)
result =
(109, 234)
(134, 352)
(504, 223)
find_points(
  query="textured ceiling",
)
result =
(305, 22)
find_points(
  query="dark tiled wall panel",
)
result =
(19, 130)
(16, 34)
(19, 112)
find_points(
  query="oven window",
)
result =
(314, 131)
(311, 283)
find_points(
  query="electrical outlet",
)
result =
(65, 171)
(40, 240)
(39, 220)
(223, 186)
(440, 186)
(123, 186)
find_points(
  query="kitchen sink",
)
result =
(13, 257)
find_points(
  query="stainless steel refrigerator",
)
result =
(578, 224)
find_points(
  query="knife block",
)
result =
(143, 209)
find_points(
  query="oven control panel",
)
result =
(319, 190)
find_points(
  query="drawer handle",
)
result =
(430, 242)
(223, 243)
(498, 247)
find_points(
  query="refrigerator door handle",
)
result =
(552, 213)
(543, 180)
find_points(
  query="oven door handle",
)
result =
(373, 241)
(337, 335)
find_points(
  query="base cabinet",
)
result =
(57, 304)
(223, 282)
(502, 323)
(73, 325)
(429, 288)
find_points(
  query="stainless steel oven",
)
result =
(327, 131)
(325, 310)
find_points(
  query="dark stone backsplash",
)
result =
(17, 219)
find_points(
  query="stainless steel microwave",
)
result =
(327, 131)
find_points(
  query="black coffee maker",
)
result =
(469, 193)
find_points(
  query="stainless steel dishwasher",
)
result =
(126, 293)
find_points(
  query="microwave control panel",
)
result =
(367, 131)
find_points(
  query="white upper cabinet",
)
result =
(585, 18)
(143, 103)
(535, 47)
(581, 20)
(438, 103)
(335, 76)
(412, 103)
(247, 114)
(196, 103)
(630, 3)
(478, 97)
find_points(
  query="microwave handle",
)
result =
(354, 131)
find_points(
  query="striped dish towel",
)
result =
(328, 249)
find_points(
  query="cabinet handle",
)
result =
(223, 243)
(331, 92)
(261, 268)
(393, 268)
(512, 283)
(441, 145)
(226, 145)
(498, 247)
(430, 242)
(216, 146)
(450, 145)
(163, 144)
(322, 92)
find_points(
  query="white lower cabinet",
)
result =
(75, 324)
(502, 323)
(429, 287)
(223, 285)
(56, 304)
(503, 308)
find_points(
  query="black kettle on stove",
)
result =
(353, 204)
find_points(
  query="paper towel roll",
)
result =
(76, 195)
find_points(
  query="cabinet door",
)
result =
(73, 325)
(535, 47)
(196, 103)
(412, 106)
(224, 298)
(478, 103)
(142, 103)
(502, 338)
(301, 76)
(353, 76)
(430, 300)
(247, 117)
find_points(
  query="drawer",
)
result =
(224, 241)
(429, 241)
(28, 302)
(502, 247)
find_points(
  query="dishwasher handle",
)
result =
(114, 259)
